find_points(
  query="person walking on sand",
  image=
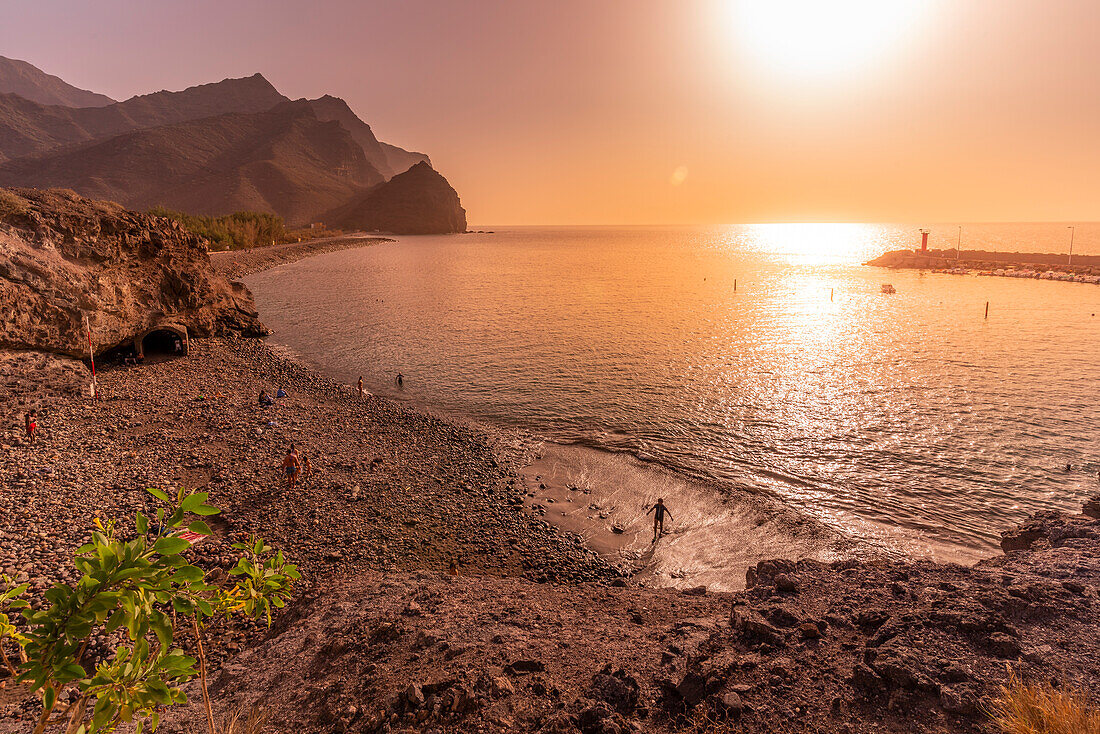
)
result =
(360, 387)
(307, 467)
(659, 511)
(30, 422)
(291, 466)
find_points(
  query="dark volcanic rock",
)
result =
(418, 201)
(62, 256)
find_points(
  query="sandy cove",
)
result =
(534, 631)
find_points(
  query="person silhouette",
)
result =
(659, 511)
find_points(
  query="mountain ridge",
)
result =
(282, 161)
(237, 144)
(30, 82)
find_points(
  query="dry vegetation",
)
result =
(1041, 708)
(11, 203)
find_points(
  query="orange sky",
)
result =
(646, 111)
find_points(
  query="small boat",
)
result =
(887, 288)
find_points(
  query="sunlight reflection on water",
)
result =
(906, 412)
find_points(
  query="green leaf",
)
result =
(49, 699)
(198, 526)
(191, 501)
(206, 510)
(171, 546)
(75, 671)
(158, 494)
(188, 574)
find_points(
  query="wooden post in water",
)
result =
(735, 285)
(987, 309)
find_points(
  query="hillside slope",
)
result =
(334, 108)
(418, 201)
(30, 82)
(29, 128)
(283, 161)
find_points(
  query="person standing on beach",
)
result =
(659, 511)
(291, 466)
(400, 380)
(360, 386)
(30, 422)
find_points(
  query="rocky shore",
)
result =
(434, 602)
(1084, 268)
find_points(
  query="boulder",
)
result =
(615, 688)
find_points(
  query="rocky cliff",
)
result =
(63, 256)
(418, 201)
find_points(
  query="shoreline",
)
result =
(608, 513)
(435, 600)
(235, 264)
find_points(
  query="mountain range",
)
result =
(233, 145)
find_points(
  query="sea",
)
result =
(733, 369)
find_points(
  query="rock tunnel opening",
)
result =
(162, 342)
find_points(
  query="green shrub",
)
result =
(145, 587)
(237, 231)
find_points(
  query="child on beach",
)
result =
(360, 386)
(265, 399)
(307, 467)
(291, 466)
(659, 511)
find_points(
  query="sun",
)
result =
(817, 38)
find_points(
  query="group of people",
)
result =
(267, 400)
(296, 464)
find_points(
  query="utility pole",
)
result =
(1069, 262)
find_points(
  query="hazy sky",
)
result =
(646, 111)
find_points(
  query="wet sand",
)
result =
(712, 539)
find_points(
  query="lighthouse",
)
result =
(924, 241)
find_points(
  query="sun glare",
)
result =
(814, 38)
(815, 243)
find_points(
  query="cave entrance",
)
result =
(162, 342)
